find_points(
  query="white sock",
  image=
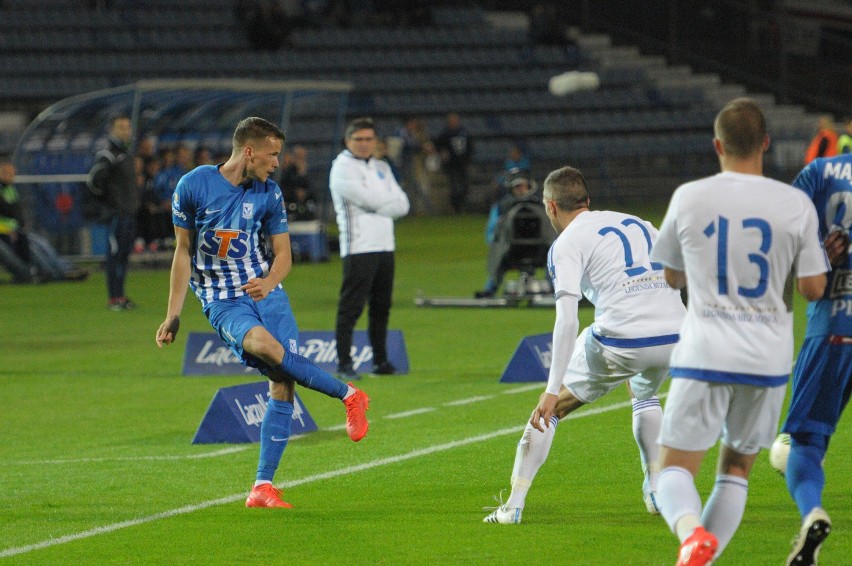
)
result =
(531, 453)
(725, 507)
(261, 482)
(349, 392)
(680, 504)
(647, 420)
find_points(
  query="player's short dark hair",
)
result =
(363, 123)
(741, 127)
(567, 188)
(255, 129)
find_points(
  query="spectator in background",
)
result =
(455, 148)
(415, 148)
(381, 152)
(367, 200)
(546, 24)
(844, 142)
(28, 256)
(155, 214)
(296, 186)
(824, 143)
(169, 176)
(517, 158)
(266, 23)
(113, 179)
(146, 149)
(202, 156)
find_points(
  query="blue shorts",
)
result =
(822, 381)
(233, 318)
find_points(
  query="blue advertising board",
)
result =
(531, 360)
(207, 354)
(235, 414)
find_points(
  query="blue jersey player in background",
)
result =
(822, 378)
(233, 250)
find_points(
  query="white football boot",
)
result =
(504, 516)
(648, 495)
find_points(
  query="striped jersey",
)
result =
(231, 226)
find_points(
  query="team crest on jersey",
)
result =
(294, 348)
(248, 210)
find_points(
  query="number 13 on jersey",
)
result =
(720, 229)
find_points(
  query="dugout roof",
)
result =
(62, 140)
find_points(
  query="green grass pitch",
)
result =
(97, 465)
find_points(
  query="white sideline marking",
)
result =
(14, 551)
(468, 401)
(525, 388)
(214, 454)
(410, 413)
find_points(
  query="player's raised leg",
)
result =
(290, 365)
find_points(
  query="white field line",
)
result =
(410, 413)
(14, 551)
(468, 401)
(234, 449)
(214, 454)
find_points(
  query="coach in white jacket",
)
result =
(367, 199)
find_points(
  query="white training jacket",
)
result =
(367, 199)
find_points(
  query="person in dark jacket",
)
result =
(113, 179)
(455, 147)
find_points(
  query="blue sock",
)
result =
(805, 476)
(274, 434)
(304, 372)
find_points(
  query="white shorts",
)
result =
(698, 413)
(595, 369)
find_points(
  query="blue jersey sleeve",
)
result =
(275, 221)
(183, 205)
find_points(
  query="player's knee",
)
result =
(263, 346)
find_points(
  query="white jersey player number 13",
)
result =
(720, 229)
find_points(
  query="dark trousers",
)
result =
(122, 233)
(367, 278)
(457, 177)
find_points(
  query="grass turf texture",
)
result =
(97, 424)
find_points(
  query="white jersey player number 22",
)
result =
(630, 270)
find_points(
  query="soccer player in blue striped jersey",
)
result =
(822, 378)
(233, 250)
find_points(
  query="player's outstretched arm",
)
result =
(178, 284)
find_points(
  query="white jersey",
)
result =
(738, 238)
(367, 199)
(604, 256)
